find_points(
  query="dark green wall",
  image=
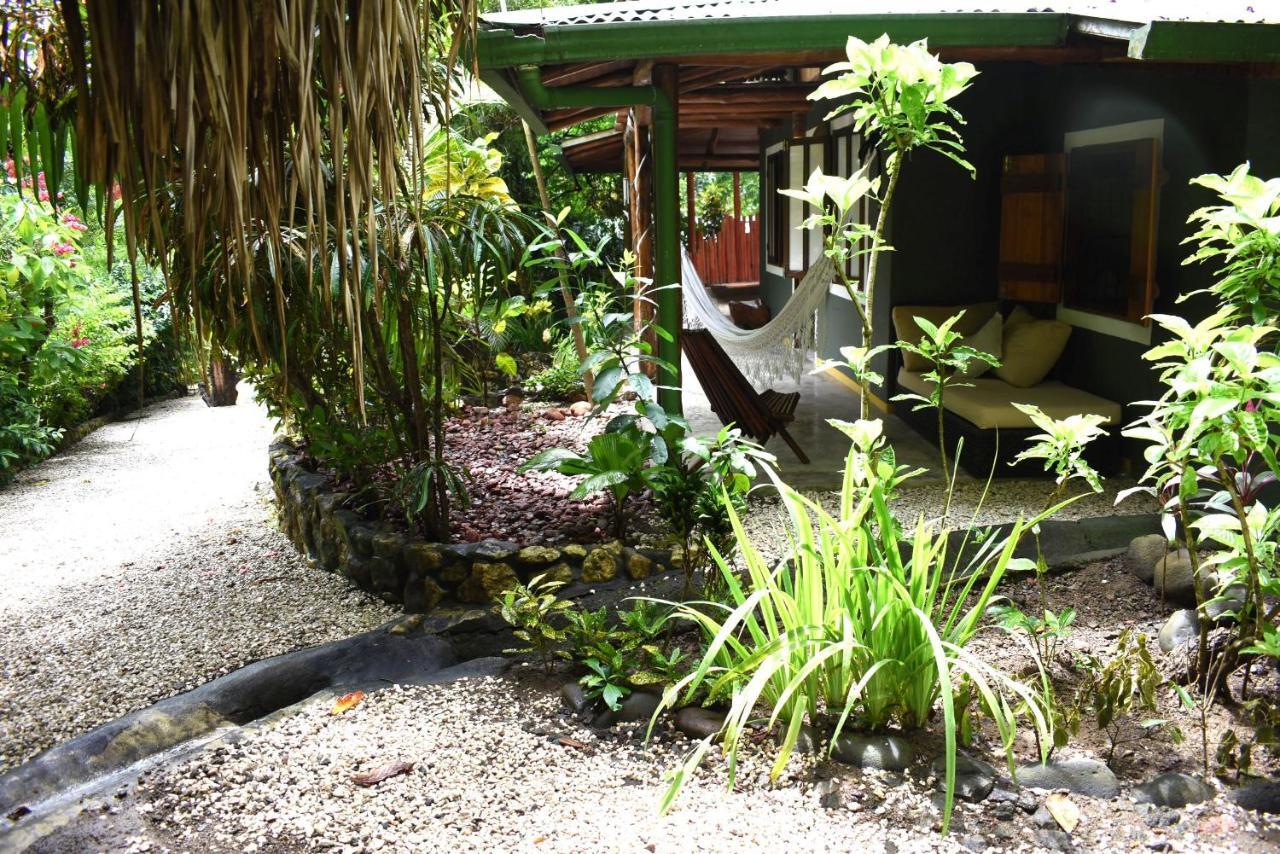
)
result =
(945, 227)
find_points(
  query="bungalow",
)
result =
(1086, 124)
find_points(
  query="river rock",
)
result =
(538, 555)
(1143, 553)
(635, 707)
(1174, 578)
(1226, 602)
(974, 778)
(1262, 796)
(487, 582)
(699, 723)
(1181, 627)
(574, 696)
(639, 566)
(1173, 790)
(1083, 776)
(885, 752)
(422, 558)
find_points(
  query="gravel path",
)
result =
(499, 766)
(144, 561)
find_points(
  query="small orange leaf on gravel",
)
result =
(376, 776)
(573, 742)
(347, 702)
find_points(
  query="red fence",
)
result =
(733, 255)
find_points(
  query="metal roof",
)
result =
(1129, 11)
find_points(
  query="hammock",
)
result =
(780, 348)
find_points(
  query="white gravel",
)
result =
(145, 561)
(491, 774)
(499, 766)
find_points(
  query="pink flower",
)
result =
(71, 221)
(61, 249)
(77, 343)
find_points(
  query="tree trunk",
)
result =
(219, 388)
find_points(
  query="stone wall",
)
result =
(420, 575)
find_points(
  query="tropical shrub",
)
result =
(702, 479)
(616, 463)
(899, 96)
(1210, 437)
(66, 329)
(944, 349)
(533, 611)
(851, 628)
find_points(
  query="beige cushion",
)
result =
(1031, 349)
(988, 339)
(906, 329)
(1018, 316)
(988, 403)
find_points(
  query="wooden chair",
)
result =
(760, 415)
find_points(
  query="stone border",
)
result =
(420, 575)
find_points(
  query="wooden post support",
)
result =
(691, 222)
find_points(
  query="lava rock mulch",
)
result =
(531, 508)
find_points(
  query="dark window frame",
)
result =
(776, 209)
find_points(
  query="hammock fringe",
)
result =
(781, 348)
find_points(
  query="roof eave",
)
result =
(1206, 41)
(500, 47)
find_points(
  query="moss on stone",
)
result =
(600, 565)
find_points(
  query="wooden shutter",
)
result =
(1031, 209)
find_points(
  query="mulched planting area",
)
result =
(500, 764)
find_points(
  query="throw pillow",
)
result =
(906, 329)
(1018, 316)
(1031, 349)
(988, 339)
(747, 316)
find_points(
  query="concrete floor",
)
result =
(821, 397)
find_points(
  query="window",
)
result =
(1108, 264)
(843, 159)
(775, 207)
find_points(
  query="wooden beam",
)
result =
(691, 216)
(571, 75)
(711, 143)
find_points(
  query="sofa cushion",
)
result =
(989, 339)
(747, 316)
(906, 329)
(1031, 349)
(988, 403)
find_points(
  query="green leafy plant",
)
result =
(1061, 446)
(533, 611)
(1116, 689)
(899, 96)
(850, 626)
(614, 462)
(700, 481)
(609, 670)
(943, 348)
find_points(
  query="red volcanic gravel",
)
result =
(530, 508)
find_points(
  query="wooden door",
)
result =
(1031, 211)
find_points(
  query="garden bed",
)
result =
(505, 765)
(530, 522)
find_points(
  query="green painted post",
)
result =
(666, 228)
(666, 190)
